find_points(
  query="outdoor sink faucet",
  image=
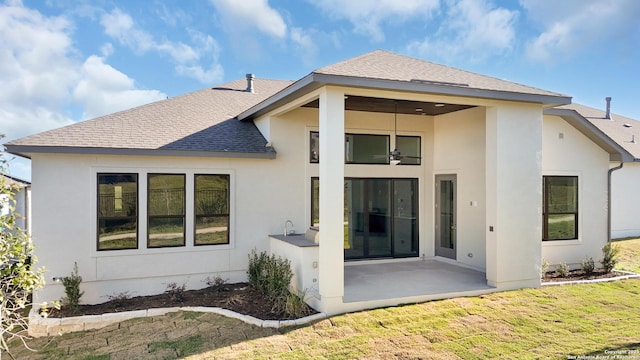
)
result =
(288, 231)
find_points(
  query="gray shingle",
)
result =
(614, 128)
(201, 120)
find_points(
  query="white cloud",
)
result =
(573, 25)
(366, 16)
(120, 26)
(304, 40)
(247, 15)
(43, 77)
(472, 29)
(104, 90)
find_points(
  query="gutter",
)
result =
(609, 173)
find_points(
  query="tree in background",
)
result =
(18, 275)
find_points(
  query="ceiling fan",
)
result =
(395, 156)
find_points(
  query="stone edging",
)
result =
(626, 275)
(40, 326)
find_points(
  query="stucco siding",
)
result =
(625, 201)
(568, 152)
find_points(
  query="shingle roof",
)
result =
(13, 180)
(381, 64)
(201, 120)
(614, 128)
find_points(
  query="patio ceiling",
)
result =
(381, 105)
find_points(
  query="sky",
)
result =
(64, 61)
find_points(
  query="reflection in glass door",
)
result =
(446, 216)
(381, 218)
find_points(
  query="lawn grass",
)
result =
(545, 323)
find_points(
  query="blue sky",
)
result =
(63, 61)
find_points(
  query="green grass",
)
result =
(544, 323)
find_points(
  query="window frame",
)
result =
(183, 216)
(195, 211)
(135, 217)
(546, 213)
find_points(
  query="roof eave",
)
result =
(27, 150)
(316, 80)
(616, 152)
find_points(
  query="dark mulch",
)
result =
(575, 275)
(239, 297)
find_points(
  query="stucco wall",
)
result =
(625, 201)
(459, 149)
(568, 152)
(64, 228)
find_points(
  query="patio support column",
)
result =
(331, 204)
(514, 195)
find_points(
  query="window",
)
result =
(366, 149)
(409, 148)
(166, 205)
(560, 208)
(314, 147)
(211, 209)
(117, 211)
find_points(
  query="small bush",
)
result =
(588, 265)
(175, 291)
(562, 269)
(609, 257)
(119, 298)
(544, 268)
(291, 304)
(269, 274)
(216, 282)
(72, 289)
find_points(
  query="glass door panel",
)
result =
(355, 226)
(405, 217)
(379, 216)
(446, 216)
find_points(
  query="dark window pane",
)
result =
(212, 230)
(366, 149)
(409, 148)
(166, 194)
(314, 145)
(117, 211)
(560, 207)
(117, 233)
(166, 231)
(315, 202)
(211, 209)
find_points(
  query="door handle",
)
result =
(453, 227)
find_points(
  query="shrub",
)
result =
(175, 291)
(72, 291)
(269, 274)
(544, 268)
(609, 257)
(119, 299)
(562, 269)
(216, 282)
(588, 265)
(291, 304)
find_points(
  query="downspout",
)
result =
(609, 199)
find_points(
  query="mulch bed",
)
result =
(239, 297)
(575, 275)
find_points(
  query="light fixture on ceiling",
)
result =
(418, 109)
(438, 105)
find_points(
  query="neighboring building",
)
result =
(424, 181)
(22, 198)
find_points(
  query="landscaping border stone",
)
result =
(44, 326)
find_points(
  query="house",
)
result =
(625, 193)
(22, 198)
(395, 180)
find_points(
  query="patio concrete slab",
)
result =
(394, 280)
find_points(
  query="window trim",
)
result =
(228, 214)
(136, 217)
(545, 212)
(183, 216)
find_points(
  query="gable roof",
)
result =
(198, 123)
(624, 131)
(382, 69)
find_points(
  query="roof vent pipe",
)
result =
(250, 88)
(608, 114)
